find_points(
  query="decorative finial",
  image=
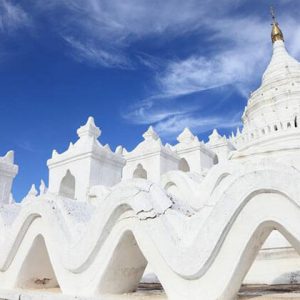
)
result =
(277, 34)
(32, 192)
(89, 129)
(186, 136)
(273, 14)
(43, 188)
(150, 134)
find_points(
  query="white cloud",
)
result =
(238, 61)
(150, 112)
(170, 116)
(127, 19)
(91, 53)
(292, 32)
(113, 25)
(12, 16)
(104, 30)
(175, 124)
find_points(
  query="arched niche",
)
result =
(269, 268)
(183, 165)
(37, 271)
(125, 269)
(67, 186)
(140, 172)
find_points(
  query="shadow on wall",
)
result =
(124, 273)
(67, 186)
(125, 269)
(183, 165)
(37, 271)
(140, 172)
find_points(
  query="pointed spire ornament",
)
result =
(276, 34)
(119, 150)
(54, 153)
(9, 157)
(42, 188)
(107, 147)
(89, 129)
(215, 137)
(32, 191)
(150, 134)
(186, 136)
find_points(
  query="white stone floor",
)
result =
(289, 296)
(140, 295)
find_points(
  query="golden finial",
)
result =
(277, 34)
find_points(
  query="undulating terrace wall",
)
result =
(98, 249)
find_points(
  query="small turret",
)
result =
(84, 164)
(195, 155)
(8, 171)
(150, 158)
(220, 146)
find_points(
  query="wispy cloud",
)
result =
(172, 126)
(104, 31)
(150, 112)
(12, 16)
(237, 61)
(292, 33)
(26, 145)
(171, 117)
(112, 26)
(92, 54)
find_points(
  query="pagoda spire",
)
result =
(276, 34)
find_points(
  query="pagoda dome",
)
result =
(276, 103)
(271, 119)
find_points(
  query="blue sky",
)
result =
(130, 64)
